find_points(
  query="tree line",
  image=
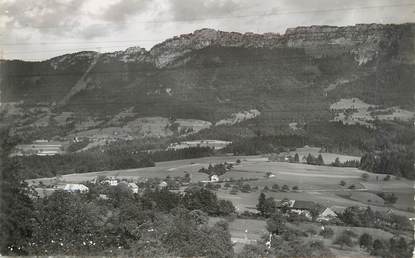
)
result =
(396, 162)
(99, 160)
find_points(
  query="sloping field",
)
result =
(315, 183)
(162, 169)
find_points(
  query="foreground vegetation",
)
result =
(288, 239)
(157, 223)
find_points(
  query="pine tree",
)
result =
(296, 158)
(336, 162)
(310, 159)
(320, 160)
(261, 203)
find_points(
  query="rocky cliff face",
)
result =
(165, 53)
(363, 40)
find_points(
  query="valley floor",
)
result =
(320, 184)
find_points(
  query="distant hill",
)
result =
(211, 75)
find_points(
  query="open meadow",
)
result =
(320, 184)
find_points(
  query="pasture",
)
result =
(315, 183)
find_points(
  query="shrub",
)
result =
(378, 248)
(344, 240)
(275, 187)
(311, 231)
(390, 198)
(295, 217)
(234, 190)
(342, 183)
(366, 241)
(246, 188)
(295, 188)
(349, 233)
(387, 178)
(285, 188)
(327, 232)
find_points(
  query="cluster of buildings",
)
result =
(39, 148)
(214, 144)
(109, 181)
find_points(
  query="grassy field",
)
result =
(161, 170)
(315, 183)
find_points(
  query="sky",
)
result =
(41, 29)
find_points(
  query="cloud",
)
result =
(93, 31)
(123, 9)
(49, 16)
(200, 9)
(75, 18)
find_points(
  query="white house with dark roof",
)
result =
(133, 187)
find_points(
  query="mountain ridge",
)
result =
(210, 74)
(248, 39)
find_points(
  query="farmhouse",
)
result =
(326, 215)
(133, 187)
(163, 184)
(307, 207)
(110, 181)
(214, 178)
(39, 148)
(103, 197)
(214, 144)
(76, 188)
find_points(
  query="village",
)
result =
(178, 185)
(244, 181)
